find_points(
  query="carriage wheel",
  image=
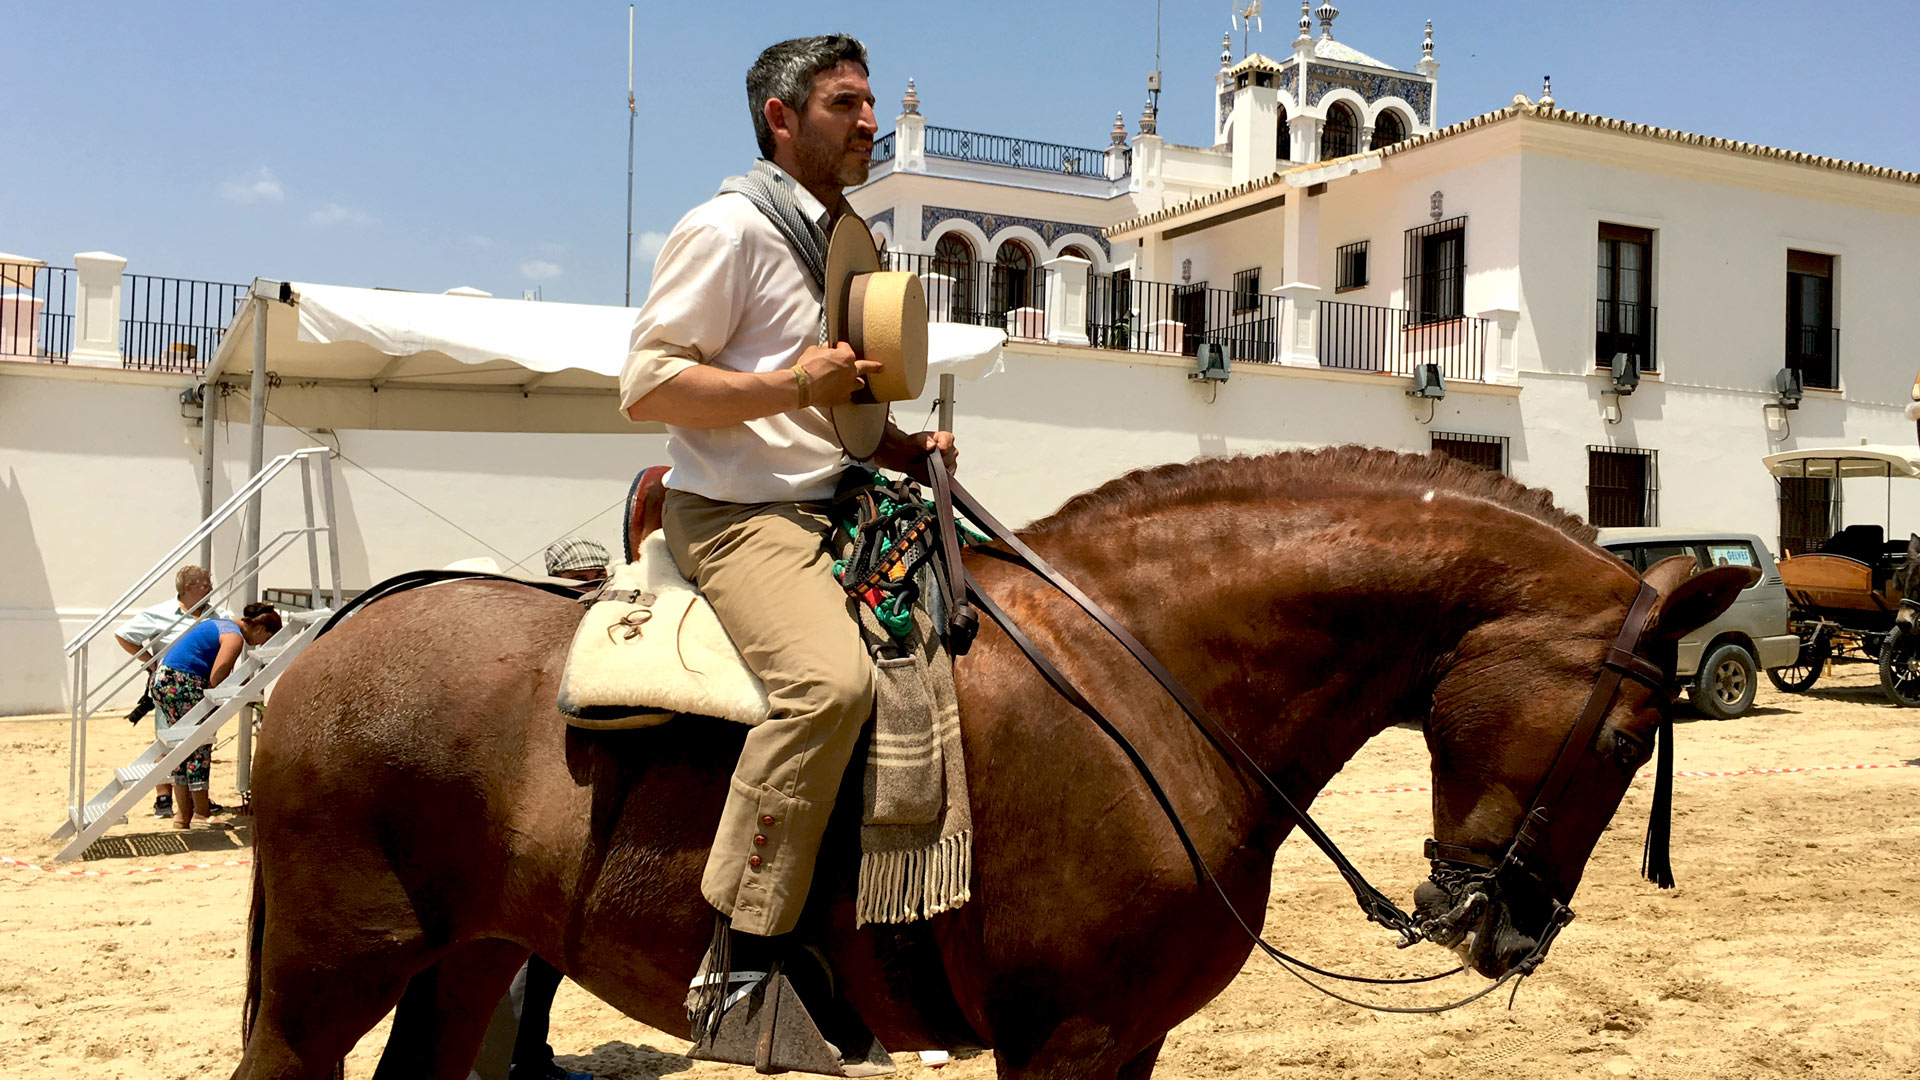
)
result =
(1900, 667)
(1799, 676)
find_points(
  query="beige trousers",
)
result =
(767, 569)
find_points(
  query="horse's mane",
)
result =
(1299, 473)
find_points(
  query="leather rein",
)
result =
(1458, 869)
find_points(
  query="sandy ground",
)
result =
(1790, 947)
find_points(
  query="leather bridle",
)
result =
(1456, 869)
(1471, 878)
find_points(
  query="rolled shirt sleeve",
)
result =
(692, 309)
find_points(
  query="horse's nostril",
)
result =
(1430, 899)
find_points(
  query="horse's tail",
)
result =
(256, 930)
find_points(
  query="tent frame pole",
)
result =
(209, 401)
(256, 450)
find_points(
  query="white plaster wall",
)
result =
(1722, 227)
(97, 482)
(1720, 263)
(1221, 252)
(1061, 420)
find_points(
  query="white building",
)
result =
(1333, 244)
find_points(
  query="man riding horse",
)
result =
(729, 353)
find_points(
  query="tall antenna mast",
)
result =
(630, 116)
(1153, 77)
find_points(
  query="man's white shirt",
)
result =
(729, 291)
(156, 628)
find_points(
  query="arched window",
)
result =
(1340, 135)
(1014, 282)
(880, 243)
(1284, 143)
(1077, 252)
(1388, 129)
(953, 257)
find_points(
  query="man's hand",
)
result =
(835, 373)
(902, 452)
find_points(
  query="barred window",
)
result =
(1809, 513)
(1340, 134)
(1350, 266)
(1388, 129)
(1486, 451)
(1246, 291)
(1623, 486)
(1813, 342)
(1436, 260)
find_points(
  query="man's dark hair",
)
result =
(786, 71)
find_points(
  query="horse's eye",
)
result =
(1627, 750)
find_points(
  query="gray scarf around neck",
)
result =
(771, 193)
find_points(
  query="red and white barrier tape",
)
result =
(1680, 775)
(121, 873)
(1359, 791)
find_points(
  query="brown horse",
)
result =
(427, 819)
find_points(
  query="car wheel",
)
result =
(1900, 667)
(1724, 687)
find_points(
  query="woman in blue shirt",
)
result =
(204, 656)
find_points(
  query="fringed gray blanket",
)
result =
(916, 834)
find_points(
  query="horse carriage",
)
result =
(1851, 593)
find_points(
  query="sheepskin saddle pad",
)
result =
(649, 647)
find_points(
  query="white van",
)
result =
(1724, 658)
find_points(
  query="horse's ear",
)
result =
(1688, 600)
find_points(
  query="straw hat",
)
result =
(883, 315)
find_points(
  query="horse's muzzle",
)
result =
(1480, 921)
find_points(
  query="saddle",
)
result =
(650, 647)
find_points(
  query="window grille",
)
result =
(1809, 513)
(1014, 283)
(1246, 291)
(953, 258)
(1388, 129)
(1350, 266)
(1340, 135)
(1436, 261)
(1813, 342)
(1625, 318)
(1486, 451)
(1623, 486)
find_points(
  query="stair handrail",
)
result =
(118, 679)
(226, 510)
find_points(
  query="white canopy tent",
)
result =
(1844, 461)
(340, 357)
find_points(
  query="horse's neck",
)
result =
(1301, 674)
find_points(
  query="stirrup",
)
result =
(763, 1023)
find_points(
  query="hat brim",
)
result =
(850, 252)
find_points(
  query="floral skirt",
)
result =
(175, 693)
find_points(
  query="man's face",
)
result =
(192, 597)
(833, 133)
(592, 573)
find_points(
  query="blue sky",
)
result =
(432, 144)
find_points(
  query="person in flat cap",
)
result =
(765, 410)
(577, 558)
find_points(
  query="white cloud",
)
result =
(327, 214)
(539, 269)
(647, 245)
(257, 186)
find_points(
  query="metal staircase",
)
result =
(243, 691)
